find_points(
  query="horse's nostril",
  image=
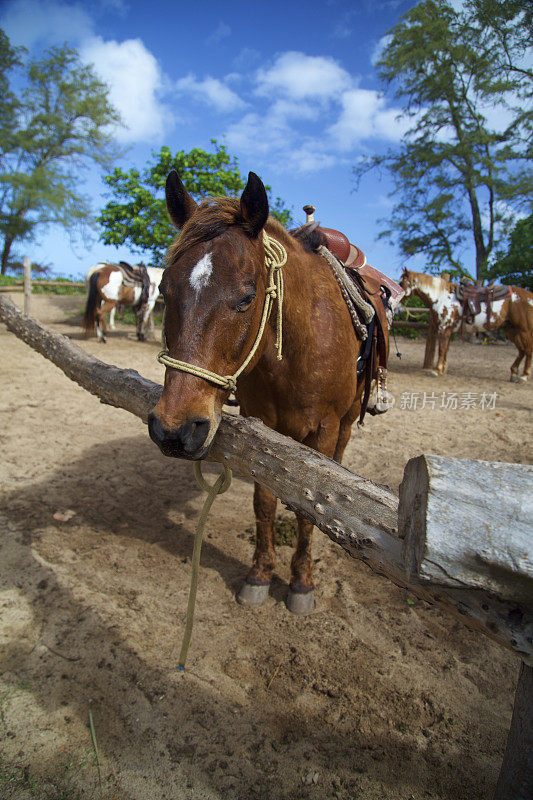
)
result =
(155, 429)
(192, 434)
(184, 441)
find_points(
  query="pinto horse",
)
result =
(215, 289)
(514, 314)
(107, 287)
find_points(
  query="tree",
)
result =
(56, 126)
(460, 172)
(514, 265)
(138, 216)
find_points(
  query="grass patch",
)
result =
(18, 783)
(285, 532)
(126, 315)
(76, 286)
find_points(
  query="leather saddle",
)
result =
(136, 276)
(375, 282)
(384, 295)
(471, 296)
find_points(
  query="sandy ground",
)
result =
(376, 696)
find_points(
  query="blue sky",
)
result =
(290, 88)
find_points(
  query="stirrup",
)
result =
(380, 399)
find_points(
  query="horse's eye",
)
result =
(246, 302)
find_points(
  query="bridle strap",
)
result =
(275, 259)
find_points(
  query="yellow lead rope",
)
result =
(221, 485)
(275, 259)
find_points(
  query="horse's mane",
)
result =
(215, 215)
(310, 236)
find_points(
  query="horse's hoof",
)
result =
(300, 603)
(251, 595)
(522, 379)
(514, 378)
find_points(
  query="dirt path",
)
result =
(375, 696)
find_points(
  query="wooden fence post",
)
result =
(516, 776)
(27, 284)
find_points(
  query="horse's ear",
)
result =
(254, 205)
(180, 205)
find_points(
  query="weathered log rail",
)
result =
(369, 521)
(354, 512)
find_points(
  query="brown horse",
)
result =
(107, 288)
(215, 288)
(514, 314)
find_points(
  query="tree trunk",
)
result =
(6, 250)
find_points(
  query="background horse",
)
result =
(514, 314)
(107, 287)
(215, 287)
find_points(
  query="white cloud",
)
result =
(309, 157)
(135, 81)
(365, 115)
(28, 22)
(315, 115)
(259, 134)
(220, 33)
(212, 91)
(299, 76)
(271, 136)
(377, 52)
(286, 110)
(128, 68)
(246, 57)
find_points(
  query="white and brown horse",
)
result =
(107, 287)
(514, 314)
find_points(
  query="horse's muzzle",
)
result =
(187, 441)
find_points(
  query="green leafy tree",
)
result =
(137, 214)
(55, 127)
(514, 265)
(461, 170)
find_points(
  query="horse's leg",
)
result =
(525, 340)
(105, 308)
(112, 326)
(444, 343)
(139, 323)
(145, 315)
(345, 431)
(254, 591)
(514, 336)
(300, 598)
(515, 366)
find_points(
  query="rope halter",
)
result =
(275, 259)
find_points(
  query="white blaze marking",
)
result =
(201, 273)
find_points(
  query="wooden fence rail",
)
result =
(19, 285)
(494, 594)
(354, 512)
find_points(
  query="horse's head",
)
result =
(214, 288)
(406, 282)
